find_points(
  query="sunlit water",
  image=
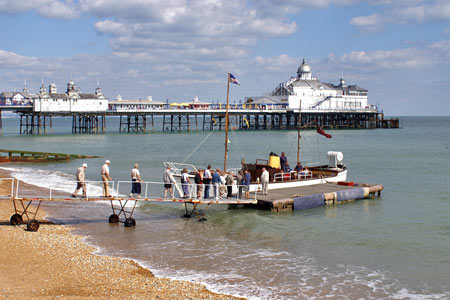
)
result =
(394, 247)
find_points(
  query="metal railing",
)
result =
(121, 190)
(292, 175)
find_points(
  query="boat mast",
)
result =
(298, 130)
(226, 127)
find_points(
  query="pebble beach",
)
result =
(52, 263)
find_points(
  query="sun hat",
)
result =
(84, 165)
(107, 162)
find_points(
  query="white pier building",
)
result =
(73, 100)
(315, 95)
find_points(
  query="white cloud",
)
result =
(402, 12)
(371, 23)
(47, 8)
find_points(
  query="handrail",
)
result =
(152, 191)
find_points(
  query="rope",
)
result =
(238, 147)
(198, 146)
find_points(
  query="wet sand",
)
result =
(52, 263)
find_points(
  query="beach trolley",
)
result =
(26, 207)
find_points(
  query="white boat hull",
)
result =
(341, 176)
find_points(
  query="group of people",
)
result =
(106, 177)
(220, 181)
(287, 169)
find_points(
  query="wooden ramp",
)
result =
(315, 195)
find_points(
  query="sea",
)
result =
(396, 246)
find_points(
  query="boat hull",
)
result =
(340, 176)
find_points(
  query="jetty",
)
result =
(26, 204)
(311, 196)
(7, 155)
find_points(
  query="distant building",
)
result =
(315, 95)
(135, 105)
(23, 98)
(73, 100)
(196, 104)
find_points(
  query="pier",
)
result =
(256, 117)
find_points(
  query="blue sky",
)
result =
(177, 49)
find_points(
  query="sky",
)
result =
(179, 49)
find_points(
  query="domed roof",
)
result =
(304, 68)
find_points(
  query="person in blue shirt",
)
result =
(298, 167)
(216, 181)
(247, 181)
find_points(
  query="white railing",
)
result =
(177, 168)
(293, 175)
(121, 190)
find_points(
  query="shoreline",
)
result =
(54, 262)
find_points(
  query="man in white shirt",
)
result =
(81, 184)
(264, 180)
(168, 180)
(105, 178)
(135, 181)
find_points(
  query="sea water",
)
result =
(396, 246)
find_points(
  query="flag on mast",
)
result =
(320, 131)
(234, 80)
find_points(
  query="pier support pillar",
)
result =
(35, 123)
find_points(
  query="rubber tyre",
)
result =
(113, 219)
(130, 222)
(33, 225)
(16, 219)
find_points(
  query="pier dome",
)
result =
(304, 71)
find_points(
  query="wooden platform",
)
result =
(315, 195)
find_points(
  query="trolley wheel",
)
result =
(16, 219)
(113, 219)
(202, 219)
(130, 222)
(33, 225)
(186, 215)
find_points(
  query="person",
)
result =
(216, 181)
(229, 184)
(185, 183)
(223, 188)
(105, 178)
(240, 182)
(298, 167)
(198, 179)
(168, 182)
(305, 171)
(264, 180)
(81, 184)
(287, 168)
(207, 181)
(247, 181)
(283, 160)
(135, 181)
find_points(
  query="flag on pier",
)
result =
(234, 80)
(320, 131)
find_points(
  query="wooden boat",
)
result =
(335, 171)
